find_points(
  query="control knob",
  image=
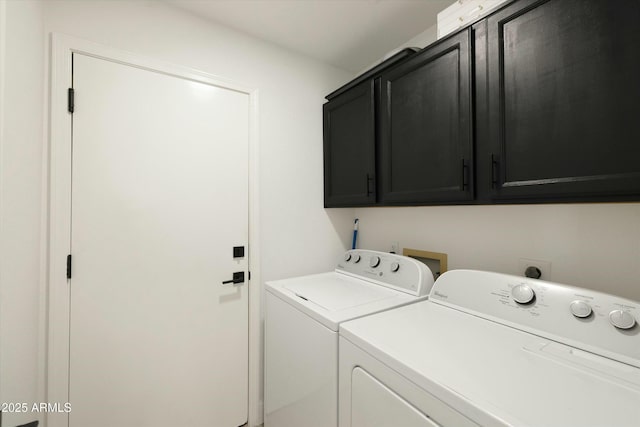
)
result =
(580, 309)
(374, 261)
(347, 257)
(622, 319)
(395, 267)
(523, 294)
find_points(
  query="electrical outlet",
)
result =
(543, 265)
(395, 248)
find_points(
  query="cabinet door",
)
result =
(562, 101)
(426, 128)
(349, 148)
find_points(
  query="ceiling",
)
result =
(349, 34)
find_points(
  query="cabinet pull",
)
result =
(494, 171)
(465, 175)
(369, 181)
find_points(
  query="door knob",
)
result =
(238, 277)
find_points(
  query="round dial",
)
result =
(356, 258)
(580, 309)
(347, 257)
(374, 261)
(395, 267)
(622, 319)
(522, 294)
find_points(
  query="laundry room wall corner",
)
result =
(292, 89)
(22, 65)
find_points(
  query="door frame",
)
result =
(59, 216)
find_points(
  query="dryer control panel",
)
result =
(593, 321)
(391, 270)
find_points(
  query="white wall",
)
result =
(21, 148)
(423, 39)
(595, 246)
(297, 235)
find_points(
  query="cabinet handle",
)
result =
(494, 171)
(465, 175)
(369, 181)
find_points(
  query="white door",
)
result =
(159, 200)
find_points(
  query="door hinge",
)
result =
(69, 266)
(71, 100)
(249, 275)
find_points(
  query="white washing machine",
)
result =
(493, 350)
(301, 330)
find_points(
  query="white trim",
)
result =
(43, 320)
(255, 294)
(60, 203)
(3, 39)
(58, 231)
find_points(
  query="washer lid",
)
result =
(335, 295)
(332, 298)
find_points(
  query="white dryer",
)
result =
(493, 350)
(302, 317)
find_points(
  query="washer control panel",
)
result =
(594, 321)
(386, 269)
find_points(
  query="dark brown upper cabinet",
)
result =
(425, 153)
(536, 103)
(349, 148)
(350, 139)
(557, 101)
